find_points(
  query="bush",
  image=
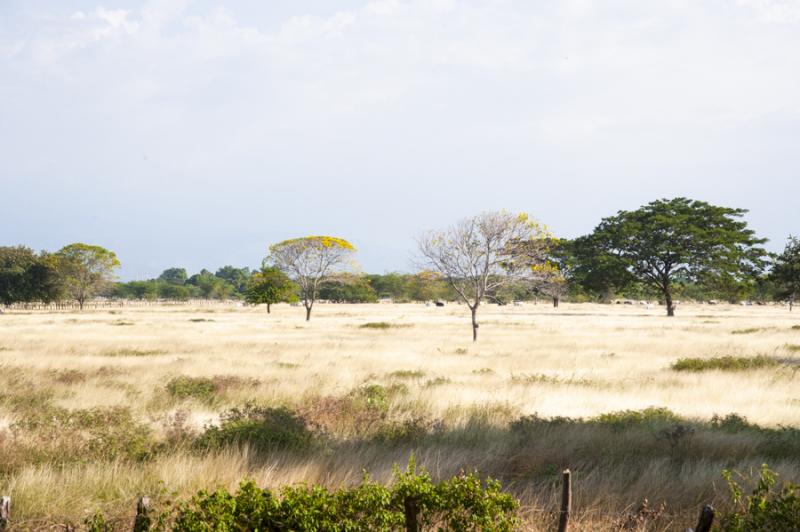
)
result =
(200, 388)
(649, 417)
(262, 428)
(460, 503)
(726, 363)
(765, 509)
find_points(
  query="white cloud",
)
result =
(779, 11)
(425, 95)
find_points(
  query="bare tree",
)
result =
(309, 261)
(479, 255)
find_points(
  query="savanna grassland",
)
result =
(101, 406)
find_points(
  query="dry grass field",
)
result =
(101, 406)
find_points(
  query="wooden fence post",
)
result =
(142, 521)
(706, 519)
(412, 514)
(5, 512)
(566, 501)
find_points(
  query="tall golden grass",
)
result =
(577, 361)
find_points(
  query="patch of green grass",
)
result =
(794, 348)
(750, 330)
(726, 363)
(121, 323)
(461, 351)
(383, 325)
(406, 374)
(287, 365)
(483, 371)
(200, 320)
(133, 353)
(796, 327)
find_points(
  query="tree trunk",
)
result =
(555, 301)
(308, 312)
(474, 311)
(80, 304)
(268, 311)
(669, 303)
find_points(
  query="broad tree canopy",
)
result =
(479, 255)
(85, 270)
(667, 240)
(310, 260)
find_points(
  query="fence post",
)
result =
(706, 519)
(142, 522)
(5, 512)
(412, 514)
(566, 501)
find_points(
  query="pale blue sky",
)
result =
(195, 133)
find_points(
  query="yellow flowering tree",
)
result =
(309, 261)
(481, 254)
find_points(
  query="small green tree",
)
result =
(270, 286)
(786, 271)
(86, 270)
(680, 238)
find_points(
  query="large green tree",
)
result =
(786, 271)
(270, 286)
(85, 270)
(27, 276)
(587, 264)
(680, 238)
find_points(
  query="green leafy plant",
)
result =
(464, 503)
(769, 507)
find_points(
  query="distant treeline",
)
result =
(667, 250)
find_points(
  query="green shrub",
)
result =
(262, 428)
(463, 503)
(765, 509)
(383, 325)
(200, 388)
(726, 363)
(792, 347)
(651, 417)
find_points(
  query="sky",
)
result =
(195, 133)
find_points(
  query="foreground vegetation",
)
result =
(93, 415)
